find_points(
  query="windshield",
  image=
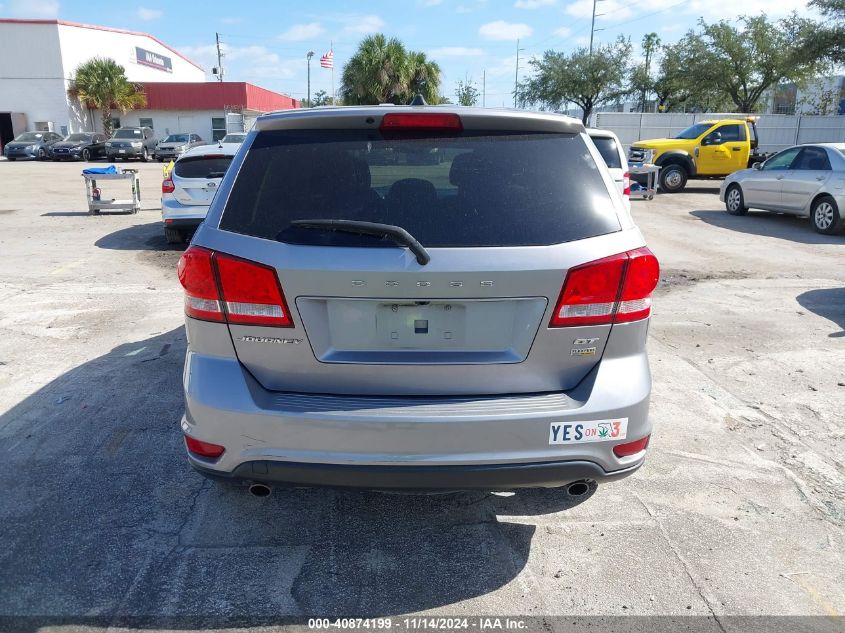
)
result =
(30, 136)
(694, 131)
(477, 188)
(127, 134)
(177, 138)
(204, 167)
(78, 137)
(233, 138)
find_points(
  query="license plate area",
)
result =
(384, 331)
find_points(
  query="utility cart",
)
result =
(651, 172)
(98, 201)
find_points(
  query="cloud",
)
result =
(728, 9)
(563, 31)
(34, 8)
(582, 40)
(455, 51)
(501, 30)
(506, 66)
(362, 24)
(608, 10)
(534, 4)
(429, 3)
(244, 62)
(301, 32)
(148, 15)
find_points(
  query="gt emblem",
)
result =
(211, 185)
(584, 341)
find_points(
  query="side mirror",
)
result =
(757, 166)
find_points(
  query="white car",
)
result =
(189, 188)
(614, 157)
(804, 180)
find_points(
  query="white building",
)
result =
(38, 59)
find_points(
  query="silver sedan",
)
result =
(807, 180)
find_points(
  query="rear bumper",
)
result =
(481, 477)
(490, 442)
(182, 223)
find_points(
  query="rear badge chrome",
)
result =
(583, 351)
(584, 341)
(271, 339)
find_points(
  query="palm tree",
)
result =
(424, 77)
(383, 71)
(101, 83)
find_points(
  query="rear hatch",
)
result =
(196, 178)
(503, 214)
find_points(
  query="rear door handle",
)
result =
(737, 149)
(779, 177)
(819, 177)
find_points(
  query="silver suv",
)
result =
(359, 314)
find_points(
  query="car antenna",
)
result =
(418, 101)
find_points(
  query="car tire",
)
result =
(673, 178)
(825, 216)
(42, 155)
(174, 236)
(86, 155)
(145, 155)
(11, 160)
(734, 201)
(110, 159)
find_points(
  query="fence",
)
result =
(776, 131)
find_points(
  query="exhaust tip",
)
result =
(578, 488)
(260, 490)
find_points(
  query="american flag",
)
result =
(327, 60)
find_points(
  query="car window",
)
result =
(204, 167)
(79, 137)
(732, 133)
(609, 150)
(177, 138)
(475, 188)
(813, 158)
(781, 161)
(30, 136)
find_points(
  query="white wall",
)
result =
(169, 121)
(38, 59)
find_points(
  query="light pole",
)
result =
(308, 56)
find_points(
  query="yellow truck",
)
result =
(707, 149)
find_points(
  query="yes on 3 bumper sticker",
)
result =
(589, 431)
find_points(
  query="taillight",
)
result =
(204, 449)
(631, 448)
(251, 294)
(421, 121)
(167, 186)
(626, 184)
(614, 289)
(196, 274)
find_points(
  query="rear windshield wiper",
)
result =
(395, 233)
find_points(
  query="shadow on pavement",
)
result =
(102, 520)
(139, 237)
(64, 214)
(786, 227)
(828, 303)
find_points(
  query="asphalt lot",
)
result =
(739, 510)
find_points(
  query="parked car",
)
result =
(234, 137)
(131, 142)
(477, 324)
(175, 145)
(706, 149)
(613, 153)
(31, 145)
(81, 146)
(801, 180)
(189, 187)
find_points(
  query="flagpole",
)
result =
(334, 95)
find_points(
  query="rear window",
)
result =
(127, 134)
(609, 150)
(474, 189)
(202, 166)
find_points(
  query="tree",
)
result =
(101, 83)
(744, 63)
(641, 81)
(828, 40)
(578, 77)
(676, 90)
(383, 71)
(466, 93)
(320, 98)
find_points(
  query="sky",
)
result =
(266, 43)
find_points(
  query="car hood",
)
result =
(20, 144)
(659, 143)
(171, 145)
